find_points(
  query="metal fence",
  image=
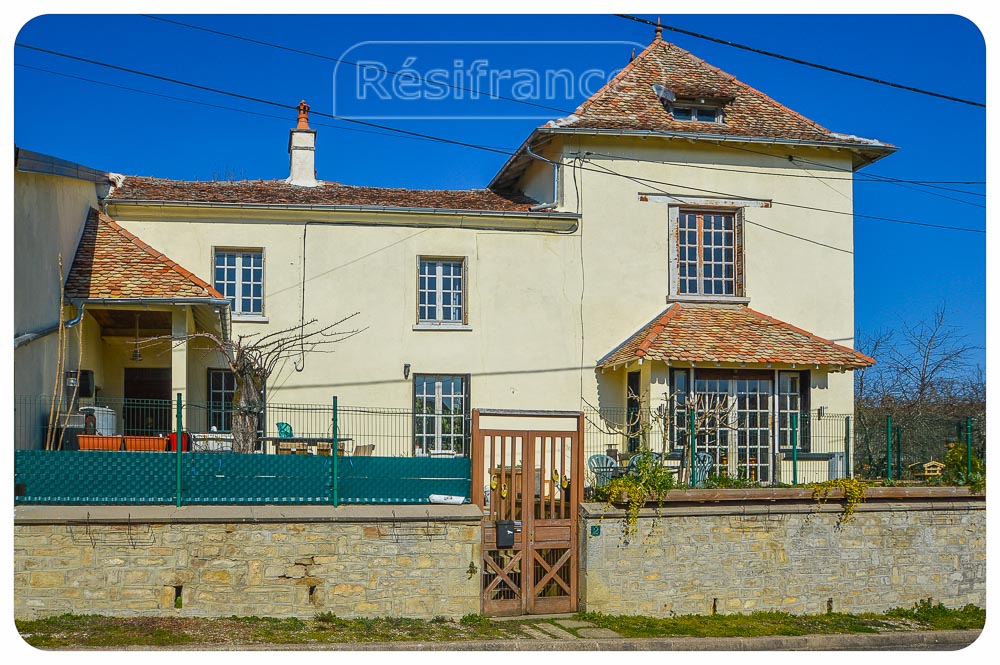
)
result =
(901, 443)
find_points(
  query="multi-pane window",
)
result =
(789, 402)
(440, 406)
(221, 388)
(707, 253)
(239, 276)
(441, 291)
(697, 113)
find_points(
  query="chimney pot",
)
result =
(302, 151)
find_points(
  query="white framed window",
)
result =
(440, 414)
(696, 113)
(441, 291)
(239, 276)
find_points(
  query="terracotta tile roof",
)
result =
(628, 102)
(327, 193)
(110, 262)
(730, 333)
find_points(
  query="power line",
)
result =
(312, 54)
(216, 106)
(260, 100)
(792, 235)
(472, 145)
(856, 178)
(801, 62)
(784, 203)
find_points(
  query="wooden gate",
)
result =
(534, 479)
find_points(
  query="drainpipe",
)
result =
(555, 183)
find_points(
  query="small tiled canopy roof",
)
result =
(730, 334)
(110, 262)
(137, 188)
(628, 102)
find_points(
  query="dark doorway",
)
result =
(632, 416)
(146, 410)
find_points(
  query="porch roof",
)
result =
(691, 332)
(112, 263)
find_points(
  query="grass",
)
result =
(923, 616)
(91, 631)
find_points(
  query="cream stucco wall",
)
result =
(543, 307)
(49, 215)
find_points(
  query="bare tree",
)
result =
(253, 358)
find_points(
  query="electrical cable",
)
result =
(799, 61)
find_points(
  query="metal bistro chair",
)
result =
(703, 464)
(603, 468)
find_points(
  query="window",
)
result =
(441, 291)
(793, 397)
(239, 276)
(221, 388)
(697, 113)
(709, 253)
(440, 405)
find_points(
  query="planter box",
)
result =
(800, 494)
(147, 443)
(99, 442)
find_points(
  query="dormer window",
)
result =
(695, 113)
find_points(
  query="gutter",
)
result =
(556, 167)
(404, 210)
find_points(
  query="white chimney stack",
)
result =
(302, 151)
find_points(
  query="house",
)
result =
(682, 238)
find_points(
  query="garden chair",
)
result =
(603, 468)
(633, 462)
(703, 464)
(365, 450)
(285, 430)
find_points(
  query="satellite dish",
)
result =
(663, 93)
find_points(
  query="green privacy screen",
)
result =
(100, 477)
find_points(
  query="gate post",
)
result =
(476, 492)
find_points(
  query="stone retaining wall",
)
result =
(740, 554)
(261, 561)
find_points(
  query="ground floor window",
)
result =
(440, 414)
(221, 389)
(739, 415)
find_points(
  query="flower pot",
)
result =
(146, 443)
(99, 442)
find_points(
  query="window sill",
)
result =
(732, 300)
(441, 326)
(249, 318)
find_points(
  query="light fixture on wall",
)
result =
(136, 356)
(406, 370)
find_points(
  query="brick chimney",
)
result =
(302, 151)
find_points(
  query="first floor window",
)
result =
(440, 412)
(239, 276)
(441, 291)
(221, 389)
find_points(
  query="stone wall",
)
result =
(737, 554)
(413, 561)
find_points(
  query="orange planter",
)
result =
(99, 442)
(147, 443)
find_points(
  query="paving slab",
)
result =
(597, 633)
(573, 623)
(555, 631)
(535, 634)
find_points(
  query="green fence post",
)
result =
(179, 445)
(888, 447)
(335, 448)
(899, 452)
(691, 439)
(795, 448)
(848, 468)
(968, 450)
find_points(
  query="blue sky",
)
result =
(901, 271)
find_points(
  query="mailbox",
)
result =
(505, 534)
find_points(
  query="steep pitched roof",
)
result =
(139, 188)
(731, 334)
(629, 102)
(110, 262)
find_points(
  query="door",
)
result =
(734, 415)
(633, 402)
(534, 480)
(146, 410)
